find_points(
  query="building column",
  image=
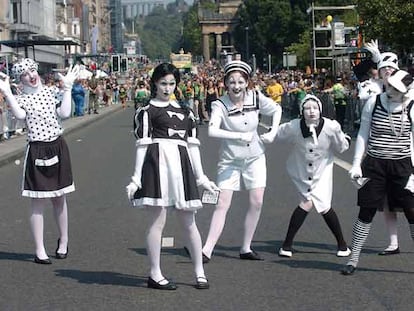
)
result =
(206, 47)
(218, 45)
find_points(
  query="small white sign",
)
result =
(210, 197)
(167, 242)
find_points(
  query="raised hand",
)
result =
(70, 77)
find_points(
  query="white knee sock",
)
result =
(60, 212)
(154, 234)
(391, 224)
(36, 222)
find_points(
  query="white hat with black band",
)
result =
(237, 65)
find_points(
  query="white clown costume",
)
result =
(310, 166)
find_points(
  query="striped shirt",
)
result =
(390, 135)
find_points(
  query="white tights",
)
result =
(219, 218)
(391, 224)
(158, 216)
(37, 224)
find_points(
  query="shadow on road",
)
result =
(103, 278)
(16, 256)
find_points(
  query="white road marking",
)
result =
(167, 242)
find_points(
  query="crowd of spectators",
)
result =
(203, 85)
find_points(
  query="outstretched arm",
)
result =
(18, 112)
(214, 129)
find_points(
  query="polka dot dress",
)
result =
(42, 121)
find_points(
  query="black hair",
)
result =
(161, 71)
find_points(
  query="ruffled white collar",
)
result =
(163, 104)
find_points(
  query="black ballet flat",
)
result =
(156, 285)
(61, 255)
(386, 252)
(42, 261)
(202, 285)
(251, 256)
(348, 270)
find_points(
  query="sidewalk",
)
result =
(15, 147)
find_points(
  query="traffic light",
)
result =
(115, 63)
(124, 64)
(265, 63)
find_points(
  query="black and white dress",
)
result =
(47, 166)
(167, 174)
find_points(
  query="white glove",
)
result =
(372, 47)
(207, 184)
(133, 186)
(5, 84)
(267, 138)
(246, 137)
(70, 77)
(355, 171)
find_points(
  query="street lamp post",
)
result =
(247, 43)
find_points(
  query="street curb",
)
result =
(70, 125)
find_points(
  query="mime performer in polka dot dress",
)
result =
(47, 168)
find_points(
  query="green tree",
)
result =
(273, 25)
(389, 21)
(161, 33)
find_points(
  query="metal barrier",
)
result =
(9, 125)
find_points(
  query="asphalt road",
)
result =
(107, 267)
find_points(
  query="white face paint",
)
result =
(385, 73)
(165, 87)
(236, 85)
(311, 111)
(394, 96)
(30, 81)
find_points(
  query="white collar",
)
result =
(162, 104)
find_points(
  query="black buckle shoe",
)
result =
(156, 285)
(386, 252)
(348, 270)
(251, 256)
(42, 261)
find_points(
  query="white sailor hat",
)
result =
(401, 80)
(237, 65)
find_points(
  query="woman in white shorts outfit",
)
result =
(234, 119)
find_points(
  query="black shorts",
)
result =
(387, 181)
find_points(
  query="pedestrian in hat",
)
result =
(383, 158)
(234, 120)
(315, 140)
(386, 64)
(47, 167)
